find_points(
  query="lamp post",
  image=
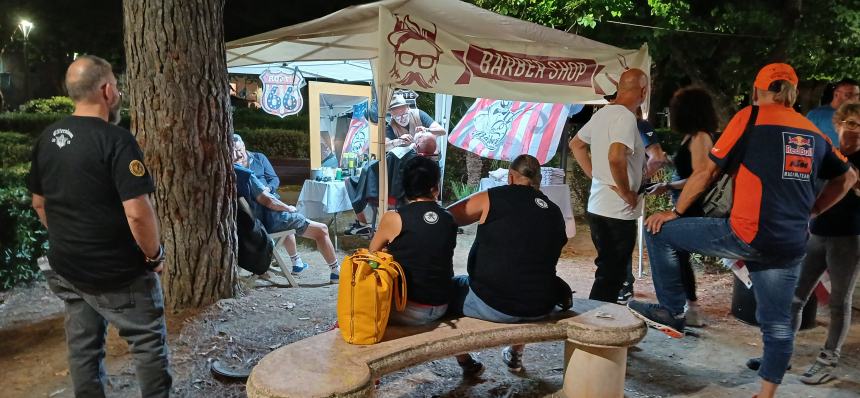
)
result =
(26, 26)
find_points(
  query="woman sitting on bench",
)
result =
(421, 236)
(512, 262)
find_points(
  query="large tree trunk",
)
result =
(473, 169)
(177, 81)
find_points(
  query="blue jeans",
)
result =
(467, 303)
(137, 312)
(774, 280)
(416, 314)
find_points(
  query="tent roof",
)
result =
(351, 33)
(346, 71)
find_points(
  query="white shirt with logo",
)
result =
(611, 124)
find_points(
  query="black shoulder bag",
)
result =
(716, 202)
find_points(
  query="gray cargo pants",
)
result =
(137, 311)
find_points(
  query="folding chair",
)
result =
(278, 238)
(284, 264)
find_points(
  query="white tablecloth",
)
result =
(558, 194)
(323, 199)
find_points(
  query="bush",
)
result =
(275, 143)
(253, 119)
(15, 148)
(31, 124)
(22, 237)
(61, 105)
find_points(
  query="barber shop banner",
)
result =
(357, 136)
(503, 130)
(419, 54)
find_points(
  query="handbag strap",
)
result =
(736, 154)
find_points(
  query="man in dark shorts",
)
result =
(277, 216)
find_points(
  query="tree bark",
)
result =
(179, 105)
(473, 169)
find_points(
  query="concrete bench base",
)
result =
(596, 334)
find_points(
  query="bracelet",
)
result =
(153, 263)
(675, 210)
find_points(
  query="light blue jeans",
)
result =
(416, 314)
(774, 280)
(474, 307)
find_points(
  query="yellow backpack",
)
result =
(367, 283)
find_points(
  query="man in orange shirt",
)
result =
(777, 158)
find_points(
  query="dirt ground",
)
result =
(240, 331)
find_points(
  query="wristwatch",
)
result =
(153, 263)
(675, 210)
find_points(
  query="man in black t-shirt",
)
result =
(90, 189)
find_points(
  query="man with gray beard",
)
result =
(91, 190)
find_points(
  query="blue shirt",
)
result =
(822, 117)
(263, 170)
(250, 187)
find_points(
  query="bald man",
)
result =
(91, 189)
(616, 169)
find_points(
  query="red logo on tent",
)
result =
(415, 53)
(493, 64)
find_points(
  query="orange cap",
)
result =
(773, 72)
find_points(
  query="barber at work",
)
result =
(91, 190)
(406, 123)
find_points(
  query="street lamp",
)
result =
(26, 26)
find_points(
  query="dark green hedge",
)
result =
(31, 124)
(22, 237)
(283, 144)
(252, 119)
(59, 105)
(14, 148)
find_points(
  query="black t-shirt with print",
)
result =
(85, 168)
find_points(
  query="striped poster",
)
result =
(503, 130)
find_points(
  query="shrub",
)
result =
(22, 237)
(15, 148)
(31, 124)
(275, 143)
(61, 105)
(252, 119)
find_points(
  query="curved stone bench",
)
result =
(597, 335)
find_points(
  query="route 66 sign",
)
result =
(282, 94)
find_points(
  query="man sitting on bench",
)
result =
(277, 216)
(512, 262)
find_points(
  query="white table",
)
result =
(319, 200)
(558, 194)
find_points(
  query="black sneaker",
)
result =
(472, 367)
(513, 359)
(357, 229)
(755, 363)
(625, 294)
(658, 317)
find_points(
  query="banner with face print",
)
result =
(357, 138)
(503, 130)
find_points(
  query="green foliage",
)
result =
(22, 237)
(60, 105)
(580, 186)
(15, 148)
(461, 190)
(658, 203)
(276, 143)
(250, 119)
(31, 124)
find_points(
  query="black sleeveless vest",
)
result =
(425, 250)
(512, 262)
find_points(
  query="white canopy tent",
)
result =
(345, 71)
(452, 47)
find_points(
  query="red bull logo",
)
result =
(800, 140)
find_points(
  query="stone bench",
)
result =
(596, 338)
